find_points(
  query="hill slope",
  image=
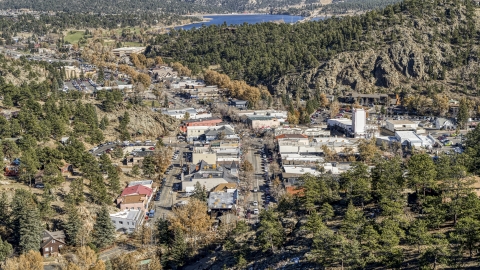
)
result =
(409, 43)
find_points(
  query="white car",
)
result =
(255, 203)
(255, 211)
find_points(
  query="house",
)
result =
(128, 50)
(444, 123)
(240, 104)
(135, 197)
(145, 183)
(400, 125)
(256, 122)
(52, 243)
(127, 220)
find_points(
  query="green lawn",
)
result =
(132, 44)
(75, 37)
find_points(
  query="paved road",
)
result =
(254, 158)
(163, 207)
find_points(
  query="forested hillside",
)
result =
(168, 6)
(411, 43)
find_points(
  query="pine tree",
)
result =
(179, 251)
(7, 101)
(73, 225)
(103, 230)
(26, 221)
(148, 166)
(200, 192)
(100, 194)
(5, 250)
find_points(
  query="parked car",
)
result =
(255, 211)
(255, 203)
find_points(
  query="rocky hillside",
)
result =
(143, 120)
(423, 43)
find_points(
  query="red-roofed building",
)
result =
(135, 197)
(137, 190)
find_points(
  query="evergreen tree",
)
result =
(7, 101)
(148, 166)
(100, 194)
(26, 226)
(73, 225)
(200, 192)
(271, 233)
(178, 249)
(103, 230)
(5, 250)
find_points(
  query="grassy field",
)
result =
(74, 37)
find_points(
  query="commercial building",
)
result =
(212, 121)
(257, 122)
(192, 113)
(223, 200)
(359, 122)
(209, 178)
(127, 221)
(400, 125)
(240, 104)
(135, 197)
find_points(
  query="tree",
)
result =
(327, 211)
(103, 230)
(7, 101)
(463, 113)
(247, 166)
(314, 224)
(26, 226)
(193, 220)
(124, 261)
(467, 234)
(200, 192)
(353, 222)
(437, 252)
(357, 182)
(73, 225)
(135, 170)
(5, 250)
(367, 149)
(418, 234)
(270, 232)
(186, 116)
(421, 172)
(148, 166)
(179, 249)
(29, 260)
(334, 109)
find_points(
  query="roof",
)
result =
(260, 117)
(400, 122)
(56, 235)
(222, 200)
(224, 186)
(238, 101)
(141, 182)
(130, 214)
(291, 136)
(137, 189)
(202, 120)
(133, 199)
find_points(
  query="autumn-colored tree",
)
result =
(334, 109)
(323, 100)
(181, 69)
(124, 261)
(440, 104)
(367, 149)
(292, 119)
(193, 220)
(29, 260)
(247, 166)
(158, 60)
(163, 158)
(144, 79)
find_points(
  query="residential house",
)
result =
(128, 221)
(127, 51)
(135, 197)
(444, 123)
(52, 243)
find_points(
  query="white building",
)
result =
(192, 112)
(359, 121)
(444, 123)
(127, 220)
(411, 139)
(400, 125)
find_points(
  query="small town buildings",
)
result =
(257, 122)
(199, 154)
(135, 197)
(400, 125)
(127, 221)
(223, 197)
(212, 121)
(310, 132)
(52, 243)
(209, 178)
(145, 183)
(223, 132)
(412, 139)
(203, 93)
(189, 113)
(240, 104)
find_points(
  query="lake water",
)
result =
(240, 19)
